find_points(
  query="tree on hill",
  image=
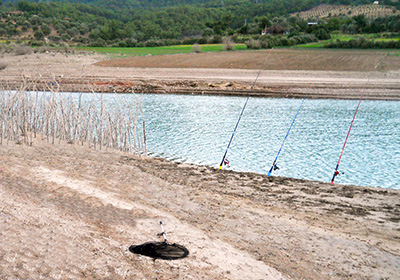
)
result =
(333, 24)
(263, 22)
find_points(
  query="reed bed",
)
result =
(77, 118)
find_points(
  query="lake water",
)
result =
(197, 129)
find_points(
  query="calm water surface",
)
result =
(197, 129)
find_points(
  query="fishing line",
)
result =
(336, 172)
(241, 113)
(274, 166)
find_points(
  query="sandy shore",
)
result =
(85, 72)
(70, 212)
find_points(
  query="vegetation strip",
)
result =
(260, 24)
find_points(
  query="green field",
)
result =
(345, 37)
(159, 50)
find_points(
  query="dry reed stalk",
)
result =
(24, 115)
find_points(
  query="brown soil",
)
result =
(279, 59)
(285, 73)
(69, 212)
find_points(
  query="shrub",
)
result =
(54, 38)
(127, 43)
(39, 35)
(98, 43)
(3, 65)
(45, 29)
(171, 42)
(216, 40)
(189, 41)
(72, 31)
(266, 44)
(253, 44)
(43, 49)
(152, 43)
(196, 48)
(21, 49)
(322, 34)
(228, 44)
(202, 40)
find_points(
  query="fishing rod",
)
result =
(336, 172)
(241, 113)
(274, 166)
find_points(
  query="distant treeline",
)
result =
(278, 7)
(140, 24)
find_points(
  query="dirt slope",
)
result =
(278, 59)
(68, 212)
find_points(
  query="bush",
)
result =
(34, 43)
(3, 65)
(190, 41)
(364, 44)
(45, 29)
(98, 43)
(39, 35)
(54, 38)
(21, 49)
(43, 49)
(196, 48)
(152, 43)
(322, 34)
(65, 37)
(128, 43)
(216, 40)
(253, 44)
(202, 40)
(228, 44)
(171, 42)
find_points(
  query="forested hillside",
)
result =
(128, 23)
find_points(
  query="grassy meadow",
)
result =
(346, 37)
(159, 50)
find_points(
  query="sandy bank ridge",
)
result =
(321, 75)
